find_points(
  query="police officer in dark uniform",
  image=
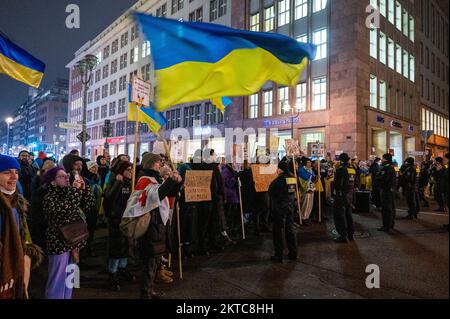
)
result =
(387, 181)
(282, 193)
(344, 184)
(409, 179)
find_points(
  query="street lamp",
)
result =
(293, 113)
(85, 67)
(9, 121)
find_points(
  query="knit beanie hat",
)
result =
(8, 162)
(48, 164)
(91, 164)
(344, 158)
(150, 159)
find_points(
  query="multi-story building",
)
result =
(123, 52)
(36, 122)
(360, 94)
(433, 78)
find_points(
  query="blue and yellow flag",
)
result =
(19, 64)
(197, 61)
(147, 115)
(221, 103)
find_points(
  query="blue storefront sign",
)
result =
(269, 123)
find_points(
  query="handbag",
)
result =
(74, 232)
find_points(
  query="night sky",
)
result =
(39, 27)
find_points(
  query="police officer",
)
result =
(387, 184)
(409, 179)
(282, 193)
(344, 184)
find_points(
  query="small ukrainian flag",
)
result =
(147, 115)
(19, 64)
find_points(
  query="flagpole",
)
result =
(180, 263)
(297, 190)
(242, 209)
(136, 136)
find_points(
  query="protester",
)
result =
(26, 174)
(308, 187)
(95, 182)
(282, 193)
(230, 183)
(117, 193)
(103, 168)
(17, 253)
(63, 207)
(153, 244)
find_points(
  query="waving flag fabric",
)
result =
(197, 61)
(19, 64)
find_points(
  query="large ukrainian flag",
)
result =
(196, 61)
(19, 64)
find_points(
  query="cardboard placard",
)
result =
(316, 150)
(263, 176)
(198, 186)
(140, 92)
(292, 147)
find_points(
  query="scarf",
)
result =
(12, 263)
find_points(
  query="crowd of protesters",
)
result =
(50, 211)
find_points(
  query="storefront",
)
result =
(387, 134)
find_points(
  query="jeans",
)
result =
(115, 264)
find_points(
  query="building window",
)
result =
(301, 97)
(391, 54)
(382, 48)
(283, 100)
(105, 71)
(90, 97)
(222, 8)
(398, 57)
(145, 72)
(411, 28)
(391, 15)
(199, 14)
(115, 46)
(89, 116)
(104, 111)
(97, 95)
(405, 23)
(320, 40)
(253, 106)
(114, 66)
(104, 91)
(254, 22)
(302, 38)
(373, 91)
(405, 64)
(398, 15)
(213, 10)
(112, 108)
(284, 10)
(319, 94)
(383, 8)
(268, 100)
(106, 52)
(177, 5)
(113, 87)
(269, 19)
(373, 43)
(96, 113)
(124, 39)
(383, 96)
(412, 68)
(301, 9)
(134, 55)
(319, 5)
